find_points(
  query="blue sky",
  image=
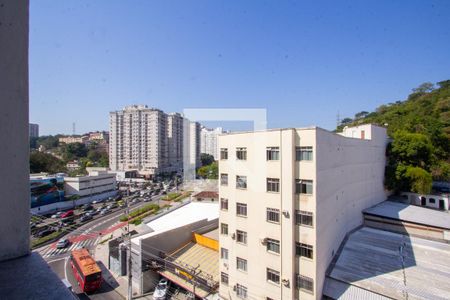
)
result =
(304, 61)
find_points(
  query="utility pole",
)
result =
(130, 290)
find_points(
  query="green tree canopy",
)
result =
(43, 162)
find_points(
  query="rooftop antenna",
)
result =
(73, 128)
(338, 119)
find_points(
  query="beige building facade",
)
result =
(288, 197)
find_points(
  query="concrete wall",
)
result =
(14, 131)
(350, 178)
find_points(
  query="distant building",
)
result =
(288, 197)
(73, 165)
(436, 200)
(101, 136)
(209, 141)
(34, 130)
(73, 139)
(99, 182)
(151, 141)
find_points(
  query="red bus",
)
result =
(85, 270)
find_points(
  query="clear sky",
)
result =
(304, 61)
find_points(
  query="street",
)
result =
(87, 236)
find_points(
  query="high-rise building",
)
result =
(138, 139)
(148, 140)
(288, 198)
(34, 130)
(175, 141)
(191, 155)
(208, 141)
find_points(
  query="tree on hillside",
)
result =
(73, 151)
(210, 171)
(206, 159)
(43, 162)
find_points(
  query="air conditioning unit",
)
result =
(285, 282)
(263, 241)
(286, 213)
(233, 236)
(234, 288)
(225, 265)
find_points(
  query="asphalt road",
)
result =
(59, 262)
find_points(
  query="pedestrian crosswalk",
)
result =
(51, 250)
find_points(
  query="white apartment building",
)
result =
(208, 141)
(150, 141)
(288, 198)
(191, 153)
(73, 139)
(138, 139)
(33, 130)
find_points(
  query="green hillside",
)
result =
(420, 130)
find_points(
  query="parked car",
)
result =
(45, 232)
(62, 243)
(86, 217)
(98, 201)
(161, 290)
(147, 199)
(57, 215)
(67, 221)
(68, 213)
(32, 225)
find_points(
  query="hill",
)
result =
(420, 130)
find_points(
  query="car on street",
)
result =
(113, 205)
(147, 199)
(105, 211)
(86, 217)
(45, 232)
(62, 243)
(32, 225)
(98, 201)
(94, 212)
(67, 214)
(162, 290)
(87, 207)
(57, 215)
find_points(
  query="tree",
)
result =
(346, 121)
(44, 162)
(419, 179)
(411, 148)
(210, 171)
(206, 159)
(49, 142)
(425, 87)
(73, 151)
(361, 114)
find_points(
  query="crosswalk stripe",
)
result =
(73, 246)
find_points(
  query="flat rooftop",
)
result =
(213, 234)
(410, 213)
(377, 264)
(184, 215)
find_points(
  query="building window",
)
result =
(304, 218)
(224, 253)
(305, 283)
(241, 209)
(223, 153)
(273, 276)
(241, 182)
(273, 153)
(273, 215)
(303, 186)
(241, 264)
(223, 204)
(273, 184)
(304, 250)
(304, 153)
(224, 228)
(432, 200)
(241, 153)
(241, 237)
(223, 179)
(241, 291)
(273, 246)
(224, 278)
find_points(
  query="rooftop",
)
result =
(410, 213)
(207, 194)
(186, 214)
(376, 264)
